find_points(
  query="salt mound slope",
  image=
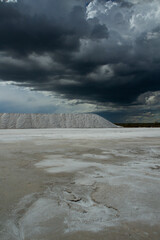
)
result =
(21, 121)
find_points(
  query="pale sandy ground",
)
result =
(80, 184)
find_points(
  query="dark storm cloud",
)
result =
(23, 33)
(110, 55)
(38, 26)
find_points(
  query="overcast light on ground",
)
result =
(79, 184)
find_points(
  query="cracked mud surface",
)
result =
(67, 187)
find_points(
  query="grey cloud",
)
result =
(108, 55)
(150, 98)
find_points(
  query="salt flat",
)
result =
(79, 184)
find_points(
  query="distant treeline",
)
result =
(136, 125)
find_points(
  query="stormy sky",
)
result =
(98, 56)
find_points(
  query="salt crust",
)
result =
(40, 135)
(103, 195)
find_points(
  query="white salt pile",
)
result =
(23, 121)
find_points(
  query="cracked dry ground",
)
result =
(80, 189)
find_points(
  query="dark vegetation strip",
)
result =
(136, 125)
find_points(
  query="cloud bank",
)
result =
(104, 53)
